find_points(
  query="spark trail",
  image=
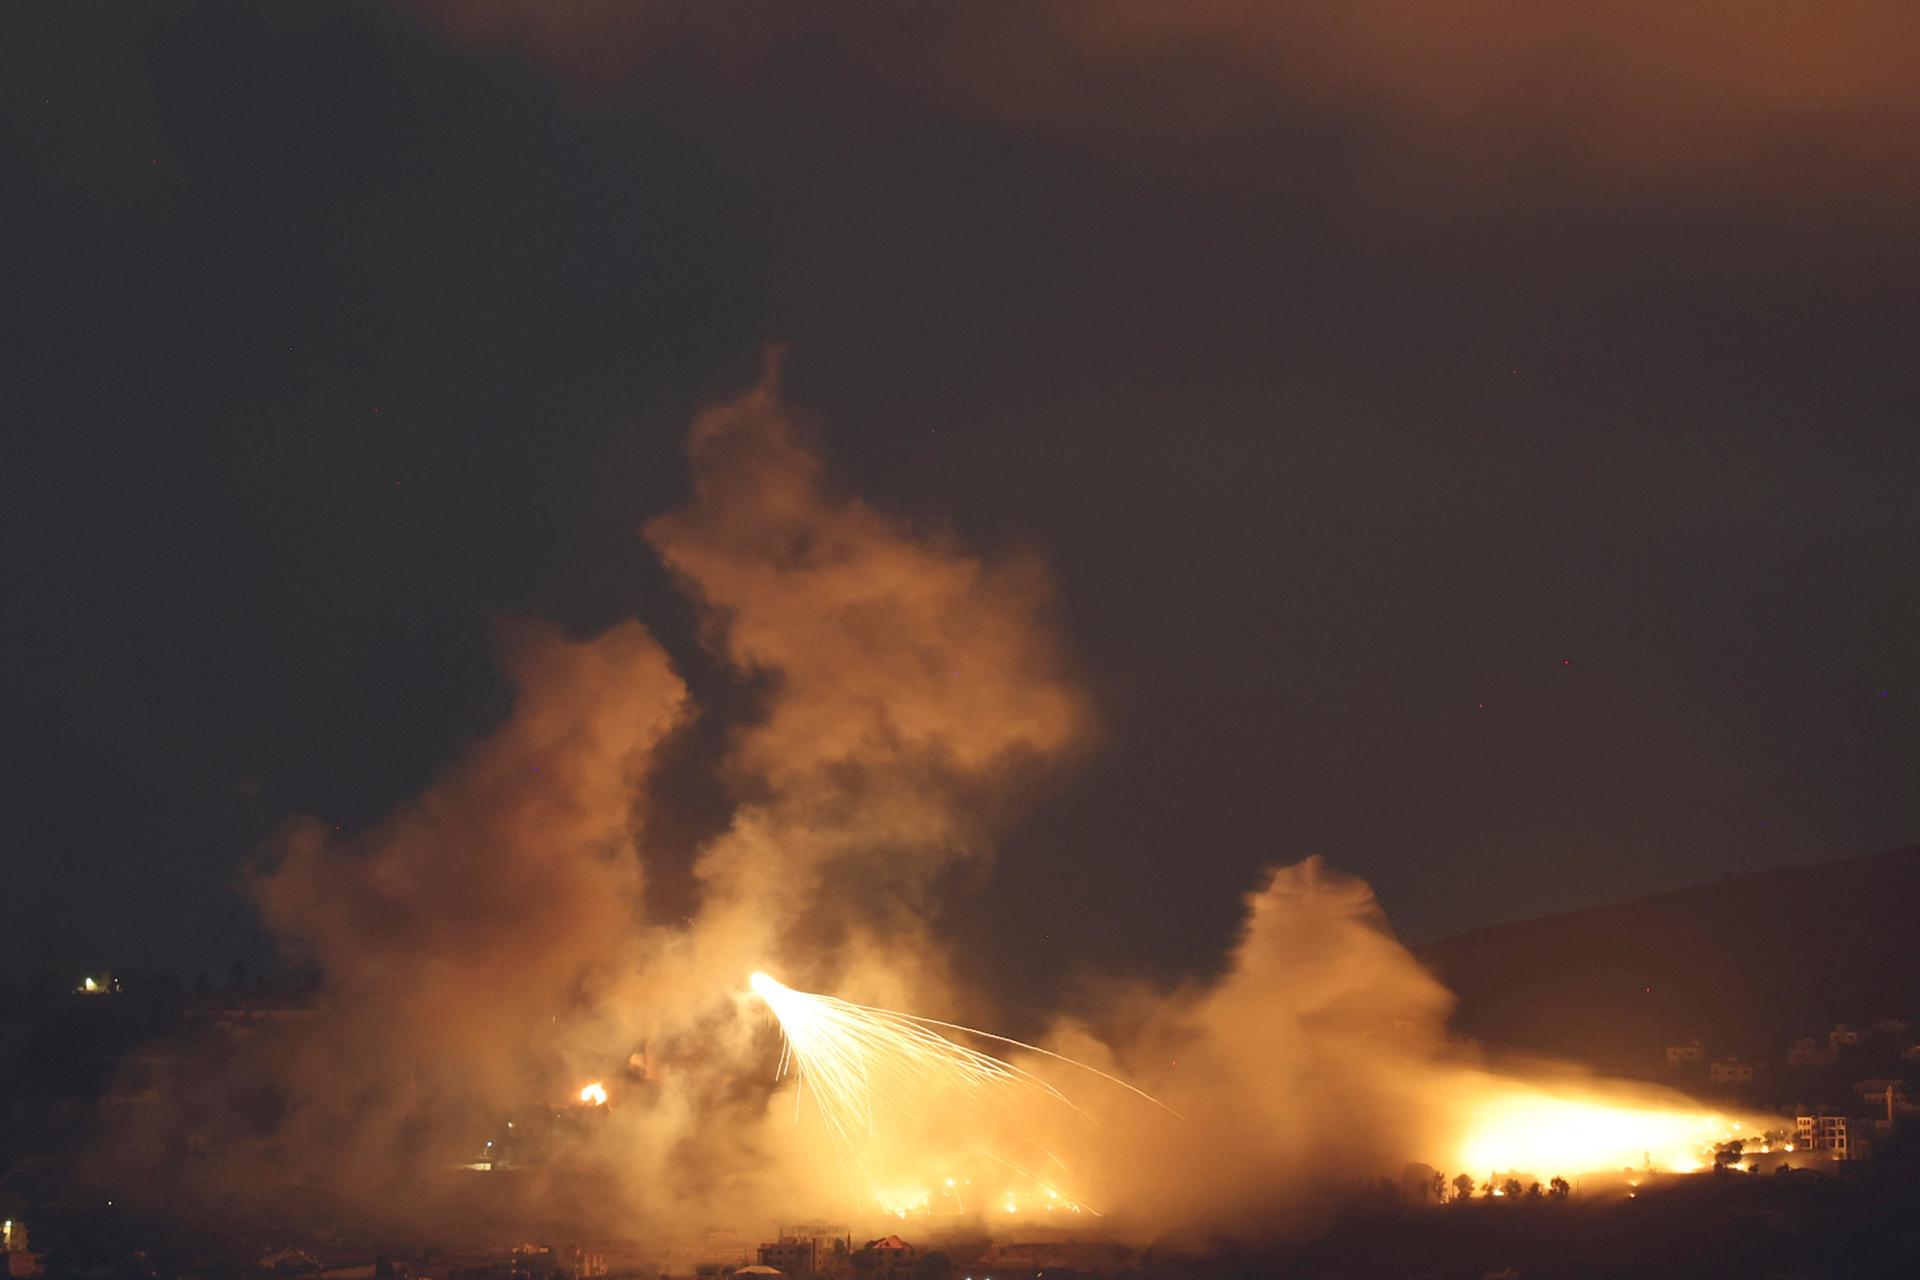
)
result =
(862, 1063)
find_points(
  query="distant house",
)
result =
(1889, 1096)
(18, 1260)
(891, 1255)
(1841, 1137)
(1842, 1035)
(1822, 1133)
(1808, 1052)
(794, 1257)
(1691, 1051)
(1730, 1071)
(1085, 1257)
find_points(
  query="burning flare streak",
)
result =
(862, 1062)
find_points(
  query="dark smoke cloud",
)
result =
(1780, 101)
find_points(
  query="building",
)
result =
(892, 1256)
(18, 1260)
(1842, 1035)
(1730, 1071)
(1807, 1052)
(791, 1256)
(1841, 1137)
(1680, 1054)
(1881, 1093)
(727, 1250)
(826, 1244)
(1087, 1257)
(239, 1015)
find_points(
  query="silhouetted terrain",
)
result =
(1747, 965)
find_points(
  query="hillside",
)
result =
(1745, 964)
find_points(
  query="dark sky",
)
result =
(1483, 453)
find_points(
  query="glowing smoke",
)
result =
(485, 949)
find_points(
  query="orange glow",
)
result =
(1545, 1134)
(594, 1095)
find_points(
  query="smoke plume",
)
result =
(486, 953)
(1786, 102)
(484, 950)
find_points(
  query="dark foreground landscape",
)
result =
(1790, 1226)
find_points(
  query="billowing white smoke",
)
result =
(485, 950)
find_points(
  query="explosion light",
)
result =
(1543, 1134)
(862, 1063)
(594, 1095)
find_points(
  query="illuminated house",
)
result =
(1691, 1051)
(1826, 1133)
(1730, 1071)
(892, 1256)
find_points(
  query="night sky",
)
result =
(1481, 453)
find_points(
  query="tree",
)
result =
(1463, 1186)
(1439, 1186)
(1558, 1188)
(1511, 1188)
(1533, 1191)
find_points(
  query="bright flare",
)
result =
(863, 1063)
(1544, 1135)
(860, 1061)
(594, 1095)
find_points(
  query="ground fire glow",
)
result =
(866, 1066)
(868, 1069)
(1519, 1128)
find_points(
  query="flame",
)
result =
(1547, 1134)
(594, 1094)
(899, 1202)
(867, 1069)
